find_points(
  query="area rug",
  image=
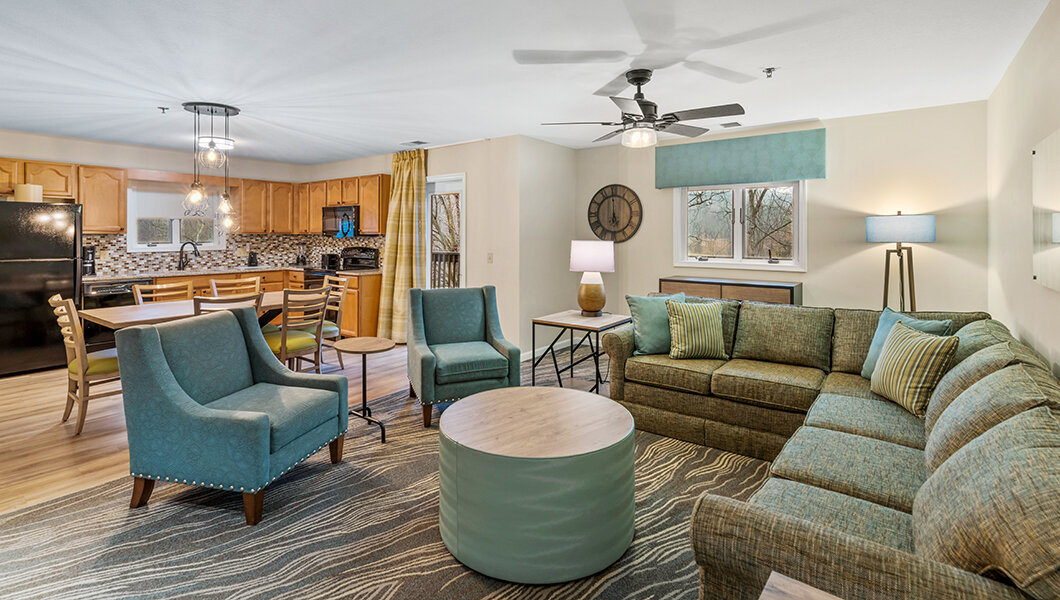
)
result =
(366, 528)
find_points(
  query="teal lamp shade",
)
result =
(902, 228)
(1056, 228)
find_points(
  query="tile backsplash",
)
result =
(273, 250)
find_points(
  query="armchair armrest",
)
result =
(618, 343)
(173, 436)
(421, 361)
(738, 544)
(496, 338)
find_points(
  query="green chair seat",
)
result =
(292, 411)
(468, 361)
(269, 328)
(296, 341)
(330, 329)
(99, 362)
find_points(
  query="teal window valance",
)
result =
(757, 159)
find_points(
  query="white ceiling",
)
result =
(325, 80)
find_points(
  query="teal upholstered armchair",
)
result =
(208, 404)
(455, 346)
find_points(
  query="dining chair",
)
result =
(162, 292)
(301, 325)
(231, 287)
(83, 369)
(332, 330)
(205, 304)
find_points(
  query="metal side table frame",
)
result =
(571, 321)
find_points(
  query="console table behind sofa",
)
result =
(780, 292)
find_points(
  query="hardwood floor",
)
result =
(41, 459)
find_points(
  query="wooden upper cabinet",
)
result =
(281, 207)
(101, 191)
(318, 194)
(9, 168)
(301, 208)
(254, 202)
(374, 192)
(333, 192)
(350, 191)
(58, 179)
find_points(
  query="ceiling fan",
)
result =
(641, 118)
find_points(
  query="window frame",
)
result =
(798, 261)
(220, 237)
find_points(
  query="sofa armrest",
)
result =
(738, 544)
(618, 343)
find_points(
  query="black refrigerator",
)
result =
(40, 255)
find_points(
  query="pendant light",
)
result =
(211, 152)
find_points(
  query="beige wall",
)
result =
(1023, 110)
(929, 160)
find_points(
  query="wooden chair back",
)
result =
(304, 310)
(338, 286)
(205, 304)
(236, 287)
(162, 292)
(70, 328)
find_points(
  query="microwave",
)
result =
(340, 221)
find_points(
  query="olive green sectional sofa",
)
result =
(864, 499)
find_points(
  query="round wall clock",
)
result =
(615, 213)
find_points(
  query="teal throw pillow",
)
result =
(883, 329)
(651, 323)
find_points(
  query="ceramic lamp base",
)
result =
(591, 295)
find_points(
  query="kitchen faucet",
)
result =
(182, 260)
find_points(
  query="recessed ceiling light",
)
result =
(415, 143)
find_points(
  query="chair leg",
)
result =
(83, 392)
(71, 393)
(252, 506)
(426, 415)
(412, 391)
(338, 355)
(335, 447)
(142, 489)
(318, 356)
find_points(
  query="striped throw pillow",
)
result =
(911, 364)
(695, 330)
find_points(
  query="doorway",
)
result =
(445, 205)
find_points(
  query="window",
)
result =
(160, 222)
(746, 226)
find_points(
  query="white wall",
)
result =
(929, 160)
(1023, 110)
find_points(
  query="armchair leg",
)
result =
(335, 447)
(412, 391)
(252, 506)
(426, 415)
(142, 489)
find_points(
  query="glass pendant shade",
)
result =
(225, 207)
(639, 137)
(196, 195)
(211, 157)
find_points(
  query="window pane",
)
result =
(768, 222)
(153, 231)
(193, 229)
(710, 223)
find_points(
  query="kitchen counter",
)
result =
(121, 275)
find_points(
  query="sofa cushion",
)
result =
(883, 329)
(992, 508)
(873, 470)
(651, 323)
(770, 384)
(989, 401)
(468, 361)
(782, 333)
(686, 375)
(695, 330)
(911, 365)
(975, 367)
(877, 419)
(844, 513)
(205, 375)
(292, 411)
(978, 335)
(730, 311)
(454, 315)
(849, 384)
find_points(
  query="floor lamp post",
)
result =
(900, 229)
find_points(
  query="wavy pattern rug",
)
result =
(366, 528)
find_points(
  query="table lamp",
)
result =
(900, 229)
(592, 257)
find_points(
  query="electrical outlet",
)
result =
(489, 258)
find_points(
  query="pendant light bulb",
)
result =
(211, 157)
(228, 222)
(197, 193)
(225, 207)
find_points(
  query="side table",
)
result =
(572, 320)
(365, 346)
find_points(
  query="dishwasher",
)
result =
(101, 294)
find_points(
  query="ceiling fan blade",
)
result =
(607, 136)
(772, 29)
(654, 21)
(628, 106)
(719, 72)
(615, 86)
(560, 57)
(685, 130)
(582, 123)
(709, 112)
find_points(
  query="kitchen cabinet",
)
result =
(374, 196)
(301, 208)
(350, 191)
(360, 308)
(59, 180)
(333, 191)
(200, 284)
(318, 194)
(281, 207)
(101, 192)
(295, 280)
(9, 169)
(254, 203)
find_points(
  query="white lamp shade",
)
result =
(592, 255)
(900, 228)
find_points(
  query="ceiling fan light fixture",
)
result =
(639, 137)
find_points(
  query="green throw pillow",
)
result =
(887, 321)
(695, 330)
(651, 323)
(911, 365)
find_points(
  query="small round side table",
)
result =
(365, 346)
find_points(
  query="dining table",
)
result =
(150, 313)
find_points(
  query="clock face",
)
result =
(615, 213)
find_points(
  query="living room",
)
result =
(930, 125)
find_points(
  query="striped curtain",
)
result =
(404, 255)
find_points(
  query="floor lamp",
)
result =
(900, 229)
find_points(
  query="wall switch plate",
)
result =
(489, 258)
